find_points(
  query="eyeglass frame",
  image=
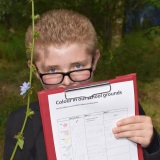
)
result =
(64, 74)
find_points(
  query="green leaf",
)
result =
(34, 69)
(37, 16)
(29, 49)
(36, 35)
(20, 139)
(30, 113)
(21, 143)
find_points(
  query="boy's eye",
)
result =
(52, 70)
(78, 66)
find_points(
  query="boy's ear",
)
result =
(29, 63)
(96, 58)
(35, 72)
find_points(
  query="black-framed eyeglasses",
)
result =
(57, 78)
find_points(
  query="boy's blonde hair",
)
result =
(62, 27)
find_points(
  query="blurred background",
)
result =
(129, 41)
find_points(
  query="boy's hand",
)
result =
(138, 129)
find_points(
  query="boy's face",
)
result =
(64, 59)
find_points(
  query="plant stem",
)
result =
(30, 81)
(33, 32)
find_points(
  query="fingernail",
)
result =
(116, 135)
(118, 123)
(114, 130)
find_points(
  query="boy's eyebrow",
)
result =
(49, 66)
(81, 61)
(44, 67)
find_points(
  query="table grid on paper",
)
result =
(90, 137)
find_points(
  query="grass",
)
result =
(149, 96)
(11, 44)
(14, 71)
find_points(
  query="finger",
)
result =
(134, 119)
(130, 134)
(129, 127)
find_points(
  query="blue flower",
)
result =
(24, 88)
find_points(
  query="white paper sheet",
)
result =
(82, 127)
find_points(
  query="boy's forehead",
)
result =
(62, 51)
(52, 55)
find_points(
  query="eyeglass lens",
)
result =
(76, 76)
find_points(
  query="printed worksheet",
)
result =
(82, 122)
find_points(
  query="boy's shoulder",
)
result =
(16, 118)
(20, 112)
(33, 106)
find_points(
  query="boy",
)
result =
(66, 55)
